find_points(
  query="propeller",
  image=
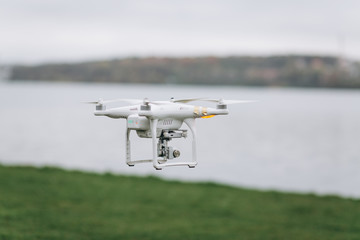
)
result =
(98, 102)
(186, 100)
(131, 101)
(145, 101)
(227, 102)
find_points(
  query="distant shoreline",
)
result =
(273, 71)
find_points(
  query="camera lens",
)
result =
(176, 153)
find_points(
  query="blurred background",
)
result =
(300, 59)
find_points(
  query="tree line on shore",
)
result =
(292, 70)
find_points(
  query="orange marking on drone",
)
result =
(210, 116)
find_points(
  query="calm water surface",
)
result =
(302, 140)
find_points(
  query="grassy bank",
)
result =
(56, 204)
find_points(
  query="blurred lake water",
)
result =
(304, 140)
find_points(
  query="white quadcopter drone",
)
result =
(162, 120)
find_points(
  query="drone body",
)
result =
(162, 120)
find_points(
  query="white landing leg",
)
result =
(153, 126)
(191, 124)
(130, 162)
(128, 150)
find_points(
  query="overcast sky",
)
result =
(36, 31)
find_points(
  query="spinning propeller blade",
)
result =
(98, 102)
(131, 101)
(186, 100)
(126, 100)
(226, 102)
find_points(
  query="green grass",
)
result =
(49, 203)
